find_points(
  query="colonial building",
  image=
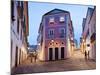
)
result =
(56, 36)
(89, 32)
(19, 32)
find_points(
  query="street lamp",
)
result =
(52, 40)
(38, 43)
(71, 38)
(83, 40)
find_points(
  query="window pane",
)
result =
(51, 33)
(51, 20)
(62, 33)
(62, 19)
(18, 26)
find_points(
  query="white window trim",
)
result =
(62, 19)
(51, 20)
(50, 31)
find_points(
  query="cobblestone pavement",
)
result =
(76, 62)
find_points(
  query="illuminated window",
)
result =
(62, 19)
(51, 20)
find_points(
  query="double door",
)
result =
(55, 54)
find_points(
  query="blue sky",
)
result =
(37, 10)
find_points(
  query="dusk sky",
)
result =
(37, 10)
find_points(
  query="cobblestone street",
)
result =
(76, 62)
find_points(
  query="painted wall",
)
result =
(17, 41)
(57, 40)
(92, 27)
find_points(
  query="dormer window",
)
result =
(62, 19)
(51, 20)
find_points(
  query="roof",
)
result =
(56, 11)
(89, 11)
(93, 11)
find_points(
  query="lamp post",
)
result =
(52, 42)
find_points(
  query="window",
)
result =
(62, 30)
(51, 33)
(51, 20)
(21, 12)
(87, 33)
(16, 57)
(88, 45)
(18, 3)
(18, 26)
(56, 43)
(21, 35)
(50, 43)
(62, 19)
(24, 24)
(12, 11)
(20, 8)
(62, 33)
(62, 43)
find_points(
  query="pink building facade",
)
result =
(55, 35)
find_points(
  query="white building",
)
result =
(89, 33)
(19, 32)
